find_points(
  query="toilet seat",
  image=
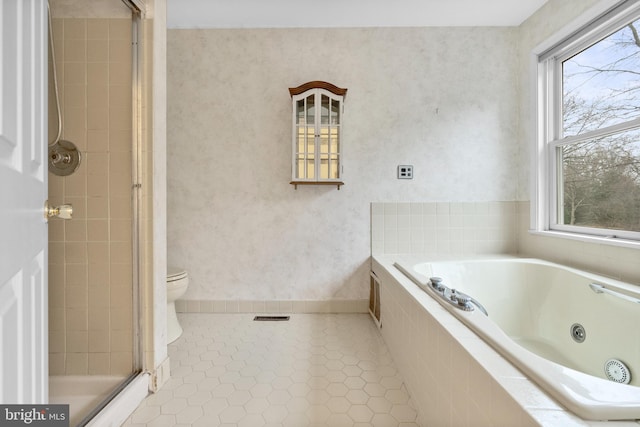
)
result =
(175, 274)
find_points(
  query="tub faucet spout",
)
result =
(480, 306)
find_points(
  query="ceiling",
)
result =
(347, 13)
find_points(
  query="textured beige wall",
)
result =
(90, 281)
(156, 291)
(442, 99)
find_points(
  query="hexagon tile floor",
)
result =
(313, 370)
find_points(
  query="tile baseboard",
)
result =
(285, 306)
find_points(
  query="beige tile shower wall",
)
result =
(444, 228)
(90, 261)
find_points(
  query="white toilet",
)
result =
(177, 282)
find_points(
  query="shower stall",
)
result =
(96, 259)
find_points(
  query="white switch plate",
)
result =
(405, 171)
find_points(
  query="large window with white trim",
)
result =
(590, 133)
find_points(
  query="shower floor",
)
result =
(82, 392)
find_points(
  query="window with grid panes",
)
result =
(589, 98)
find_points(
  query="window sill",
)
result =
(611, 241)
(336, 183)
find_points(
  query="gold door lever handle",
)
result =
(62, 211)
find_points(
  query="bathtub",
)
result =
(533, 308)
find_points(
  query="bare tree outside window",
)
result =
(600, 174)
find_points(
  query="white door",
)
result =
(23, 191)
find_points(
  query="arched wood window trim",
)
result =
(318, 84)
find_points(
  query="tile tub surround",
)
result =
(314, 370)
(499, 227)
(444, 228)
(453, 376)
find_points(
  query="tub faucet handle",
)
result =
(463, 300)
(436, 283)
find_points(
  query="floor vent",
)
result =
(271, 318)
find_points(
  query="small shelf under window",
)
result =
(336, 183)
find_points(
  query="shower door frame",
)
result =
(138, 11)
